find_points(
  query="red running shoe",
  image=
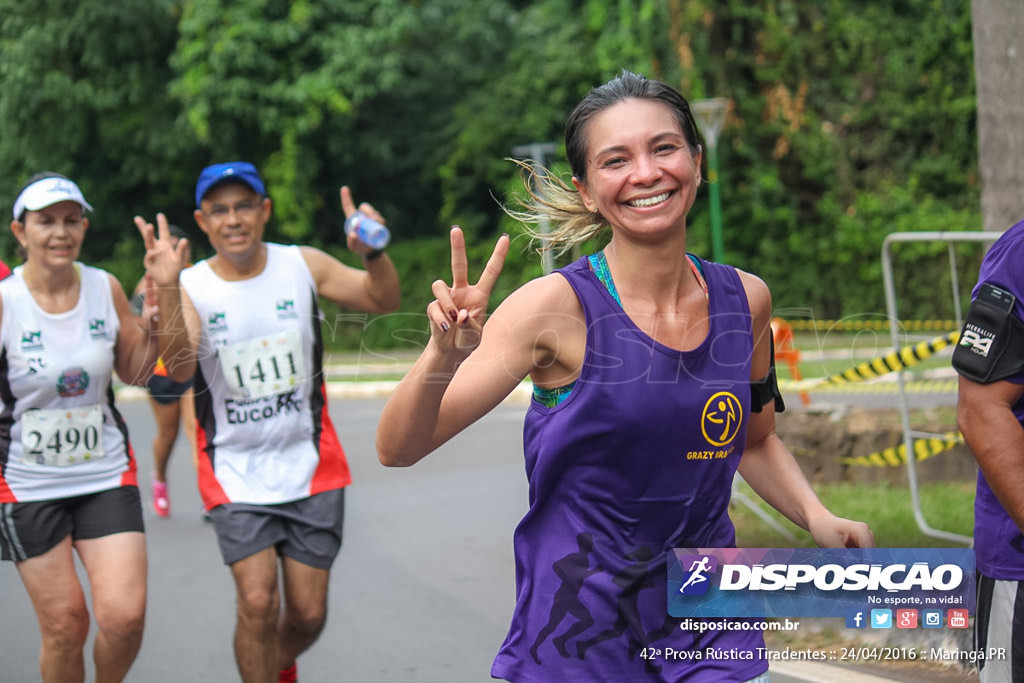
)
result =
(289, 675)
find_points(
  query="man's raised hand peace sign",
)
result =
(163, 260)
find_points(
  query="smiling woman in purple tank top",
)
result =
(651, 369)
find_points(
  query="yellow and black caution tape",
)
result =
(858, 325)
(920, 386)
(906, 357)
(897, 455)
(894, 361)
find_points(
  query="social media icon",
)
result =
(932, 618)
(957, 618)
(906, 618)
(881, 618)
(856, 619)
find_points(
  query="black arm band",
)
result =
(767, 390)
(991, 345)
(373, 255)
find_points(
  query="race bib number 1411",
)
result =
(264, 366)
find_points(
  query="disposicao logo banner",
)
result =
(817, 582)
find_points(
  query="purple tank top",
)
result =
(639, 459)
(998, 543)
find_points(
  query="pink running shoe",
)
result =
(161, 503)
(289, 675)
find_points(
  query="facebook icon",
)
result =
(855, 619)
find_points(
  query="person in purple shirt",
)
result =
(651, 368)
(990, 414)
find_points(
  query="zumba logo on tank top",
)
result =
(720, 421)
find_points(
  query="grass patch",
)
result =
(948, 506)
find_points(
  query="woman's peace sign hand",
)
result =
(457, 314)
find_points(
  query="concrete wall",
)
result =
(819, 439)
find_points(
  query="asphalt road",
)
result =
(422, 590)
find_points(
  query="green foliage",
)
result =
(548, 60)
(84, 94)
(395, 149)
(273, 81)
(887, 509)
(847, 125)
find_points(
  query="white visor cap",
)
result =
(47, 192)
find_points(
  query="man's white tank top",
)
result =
(263, 430)
(60, 434)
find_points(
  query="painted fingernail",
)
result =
(445, 326)
(454, 315)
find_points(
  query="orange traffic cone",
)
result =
(785, 351)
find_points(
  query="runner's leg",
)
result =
(256, 635)
(305, 608)
(166, 415)
(188, 425)
(116, 566)
(59, 603)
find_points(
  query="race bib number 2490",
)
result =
(62, 437)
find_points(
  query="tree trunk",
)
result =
(998, 31)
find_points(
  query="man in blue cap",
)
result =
(272, 472)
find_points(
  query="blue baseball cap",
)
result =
(240, 171)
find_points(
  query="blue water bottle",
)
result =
(370, 232)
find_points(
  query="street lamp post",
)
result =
(538, 153)
(710, 116)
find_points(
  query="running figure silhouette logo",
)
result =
(721, 418)
(698, 566)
